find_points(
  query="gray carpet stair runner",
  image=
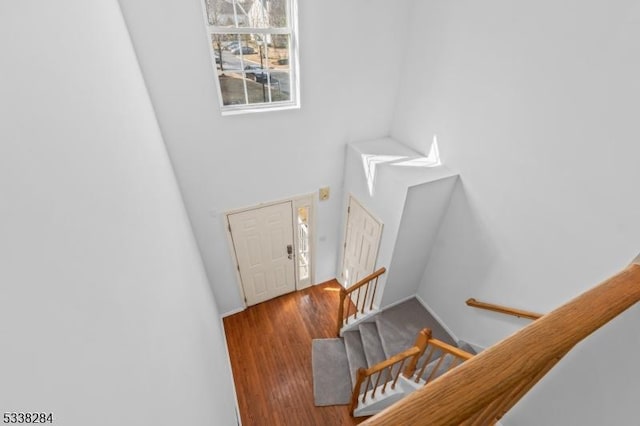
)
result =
(336, 361)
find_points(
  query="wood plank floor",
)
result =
(270, 350)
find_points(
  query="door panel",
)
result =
(260, 238)
(362, 240)
(259, 285)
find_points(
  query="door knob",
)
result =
(290, 251)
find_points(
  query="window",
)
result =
(254, 49)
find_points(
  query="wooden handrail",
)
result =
(365, 280)
(506, 370)
(503, 309)
(412, 351)
(357, 287)
(457, 352)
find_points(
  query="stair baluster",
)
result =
(373, 295)
(393, 386)
(364, 301)
(355, 316)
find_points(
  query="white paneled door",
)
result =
(263, 243)
(362, 239)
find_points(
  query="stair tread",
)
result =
(371, 343)
(400, 325)
(355, 353)
(396, 338)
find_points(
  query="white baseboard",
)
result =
(233, 382)
(432, 312)
(401, 301)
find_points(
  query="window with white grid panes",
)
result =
(254, 49)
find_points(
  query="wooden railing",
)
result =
(368, 285)
(440, 358)
(389, 368)
(503, 309)
(483, 389)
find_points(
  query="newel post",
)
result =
(343, 295)
(421, 342)
(355, 394)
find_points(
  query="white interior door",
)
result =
(362, 240)
(263, 243)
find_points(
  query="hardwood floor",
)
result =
(270, 350)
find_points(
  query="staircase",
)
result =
(481, 391)
(389, 333)
(369, 343)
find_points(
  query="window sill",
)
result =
(240, 110)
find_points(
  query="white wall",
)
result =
(106, 316)
(422, 214)
(349, 82)
(409, 200)
(535, 104)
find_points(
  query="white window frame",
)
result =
(291, 30)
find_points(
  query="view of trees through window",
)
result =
(252, 44)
